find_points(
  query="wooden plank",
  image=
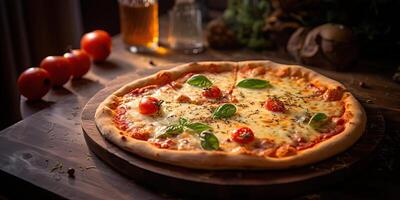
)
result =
(32, 149)
(61, 109)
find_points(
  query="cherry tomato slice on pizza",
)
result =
(243, 135)
(212, 92)
(149, 105)
(274, 105)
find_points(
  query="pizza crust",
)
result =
(233, 160)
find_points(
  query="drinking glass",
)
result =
(139, 24)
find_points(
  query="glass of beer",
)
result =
(139, 24)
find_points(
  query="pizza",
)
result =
(233, 115)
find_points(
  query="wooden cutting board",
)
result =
(230, 183)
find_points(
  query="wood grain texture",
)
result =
(51, 132)
(255, 184)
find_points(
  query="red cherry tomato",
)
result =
(243, 135)
(59, 69)
(274, 105)
(80, 62)
(97, 45)
(340, 121)
(34, 83)
(213, 92)
(149, 105)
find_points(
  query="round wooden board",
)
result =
(229, 183)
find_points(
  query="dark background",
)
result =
(33, 29)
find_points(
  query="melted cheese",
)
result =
(171, 110)
(281, 128)
(299, 100)
(224, 81)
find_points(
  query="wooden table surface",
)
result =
(38, 150)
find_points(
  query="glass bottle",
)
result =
(185, 27)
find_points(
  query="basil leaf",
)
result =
(199, 81)
(254, 83)
(198, 127)
(183, 121)
(319, 117)
(208, 141)
(224, 111)
(171, 130)
(318, 120)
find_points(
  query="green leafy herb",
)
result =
(245, 18)
(174, 129)
(224, 111)
(208, 141)
(254, 83)
(183, 121)
(198, 127)
(178, 128)
(199, 81)
(318, 120)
